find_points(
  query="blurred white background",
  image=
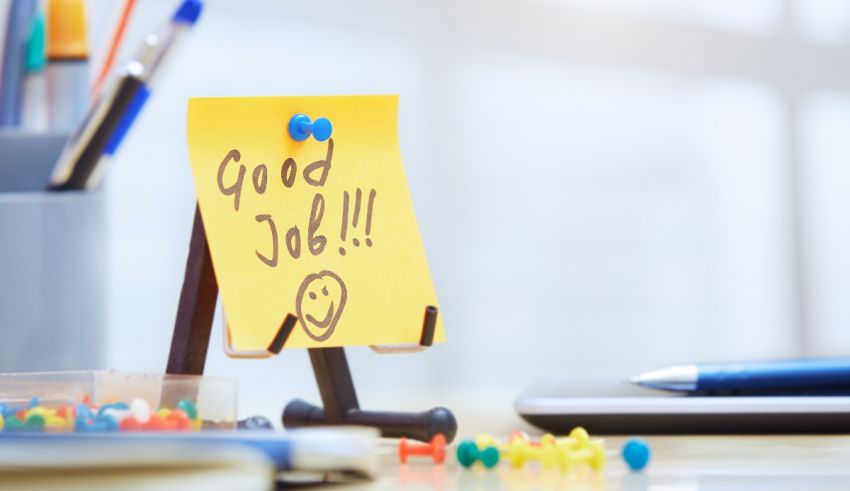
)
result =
(603, 186)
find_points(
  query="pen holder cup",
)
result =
(52, 272)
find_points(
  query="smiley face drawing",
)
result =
(320, 301)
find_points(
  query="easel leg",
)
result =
(335, 384)
(196, 309)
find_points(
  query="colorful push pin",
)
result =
(436, 449)
(40, 418)
(123, 406)
(34, 422)
(130, 423)
(255, 423)
(41, 411)
(301, 127)
(468, 454)
(483, 441)
(517, 434)
(83, 418)
(592, 454)
(521, 451)
(10, 411)
(578, 438)
(156, 423)
(13, 424)
(55, 423)
(546, 439)
(105, 423)
(140, 411)
(636, 454)
(178, 420)
(188, 407)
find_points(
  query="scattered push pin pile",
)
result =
(565, 453)
(86, 417)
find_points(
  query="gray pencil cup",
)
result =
(52, 263)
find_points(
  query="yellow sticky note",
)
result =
(324, 231)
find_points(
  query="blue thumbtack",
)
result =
(300, 128)
(636, 453)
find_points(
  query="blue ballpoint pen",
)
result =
(780, 376)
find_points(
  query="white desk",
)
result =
(800, 463)
(681, 463)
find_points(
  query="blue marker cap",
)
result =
(188, 12)
(636, 454)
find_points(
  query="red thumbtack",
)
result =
(436, 449)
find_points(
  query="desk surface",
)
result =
(679, 463)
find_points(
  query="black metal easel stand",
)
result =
(191, 338)
(341, 407)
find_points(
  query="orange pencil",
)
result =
(113, 48)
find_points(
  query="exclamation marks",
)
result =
(372, 194)
(355, 218)
(356, 215)
(344, 228)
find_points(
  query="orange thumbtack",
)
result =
(436, 449)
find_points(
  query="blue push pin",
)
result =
(636, 454)
(84, 416)
(300, 128)
(115, 405)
